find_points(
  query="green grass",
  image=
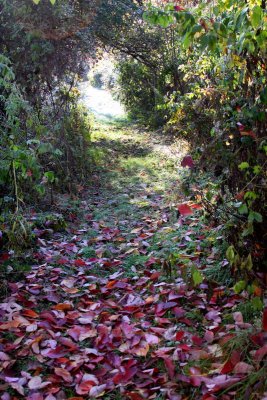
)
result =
(88, 252)
(134, 260)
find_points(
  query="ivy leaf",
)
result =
(36, 1)
(53, 1)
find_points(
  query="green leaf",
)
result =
(209, 40)
(50, 176)
(256, 17)
(243, 209)
(230, 254)
(36, 1)
(239, 286)
(257, 169)
(45, 148)
(164, 20)
(249, 230)
(247, 264)
(40, 189)
(197, 277)
(53, 1)
(257, 303)
(250, 195)
(254, 216)
(263, 96)
(243, 165)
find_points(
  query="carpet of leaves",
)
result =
(70, 331)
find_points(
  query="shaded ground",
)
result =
(116, 307)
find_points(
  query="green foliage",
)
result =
(141, 92)
(35, 155)
(223, 59)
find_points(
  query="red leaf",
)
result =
(261, 353)
(178, 8)
(80, 333)
(170, 367)
(125, 376)
(161, 308)
(63, 373)
(58, 352)
(228, 367)
(179, 336)
(88, 381)
(4, 257)
(30, 313)
(187, 162)
(185, 210)
(259, 339)
(248, 133)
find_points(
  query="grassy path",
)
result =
(116, 307)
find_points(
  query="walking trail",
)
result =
(115, 306)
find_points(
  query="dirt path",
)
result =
(115, 306)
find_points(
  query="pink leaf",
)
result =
(36, 383)
(151, 339)
(238, 317)
(259, 354)
(243, 368)
(97, 391)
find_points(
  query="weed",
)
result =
(248, 311)
(240, 341)
(219, 274)
(194, 315)
(88, 252)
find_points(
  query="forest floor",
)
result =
(121, 303)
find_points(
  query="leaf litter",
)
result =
(83, 327)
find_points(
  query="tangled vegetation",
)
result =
(123, 276)
(209, 86)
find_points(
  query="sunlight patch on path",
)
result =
(101, 102)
